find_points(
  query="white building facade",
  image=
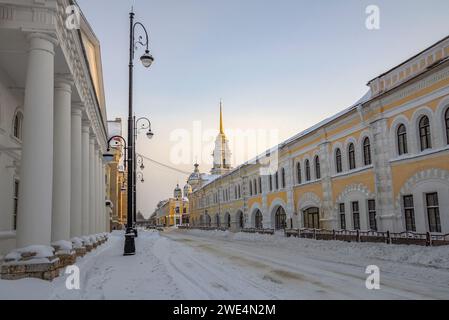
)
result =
(52, 125)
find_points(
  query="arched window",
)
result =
(280, 219)
(446, 118)
(402, 140)
(255, 186)
(250, 188)
(317, 168)
(338, 163)
(351, 156)
(258, 220)
(298, 173)
(271, 182)
(367, 152)
(260, 185)
(17, 126)
(283, 177)
(276, 180)
(424, 133)
(308, 170)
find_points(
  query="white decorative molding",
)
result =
(309, 199)
(436, 174)
(359, 188)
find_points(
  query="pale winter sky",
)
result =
(280, 66)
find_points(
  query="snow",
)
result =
(435, 256)
(192, 264)
(37, 252)
(63, 245)
(77, 243)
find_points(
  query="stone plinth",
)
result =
(66, 258)
(29, 269)
(80, 252)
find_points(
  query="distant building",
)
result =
(173, 211)
(117, 189)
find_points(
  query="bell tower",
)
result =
(222, 153)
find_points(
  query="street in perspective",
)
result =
(209, 153)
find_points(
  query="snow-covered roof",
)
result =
(366, 97)
(209, 178)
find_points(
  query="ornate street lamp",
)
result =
(109, 156)
(139, 175)
(146, 125)
(146, 59)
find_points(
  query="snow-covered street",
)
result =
(178, 264)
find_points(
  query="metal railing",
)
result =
(408, 238)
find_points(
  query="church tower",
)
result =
(222, 153)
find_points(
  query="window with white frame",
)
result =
(367, 151)
(433, 212)
(276, 180)
(409, 213)
(283, 178)
(298, 173)
(372, 215)
(341, 209)
(402, 140)
(424, 133)
(351, 157)
(355, 215)
(338, 162)
(317, 168)
(307, 165)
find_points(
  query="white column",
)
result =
(103, 197)
(61, 160)
(76, 173)
(85, 178)
(97, 188)
(34, 215)
(101, 194)
(92, 185)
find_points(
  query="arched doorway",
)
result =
(228, 220)
(217, 220)
(280, 218)
(240, 220)
(312, 218)
(258, 220)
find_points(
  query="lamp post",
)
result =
(138, 161)
(146, 59)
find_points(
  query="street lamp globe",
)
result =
(147, 59)
(150, 134)
(108, 157)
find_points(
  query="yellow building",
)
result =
(116, 186)
(173, 211)
(381, 164)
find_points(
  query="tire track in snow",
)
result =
(324, 277)
(206, 280)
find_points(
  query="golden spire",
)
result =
(221, 117)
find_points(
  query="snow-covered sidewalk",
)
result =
(180, 264)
